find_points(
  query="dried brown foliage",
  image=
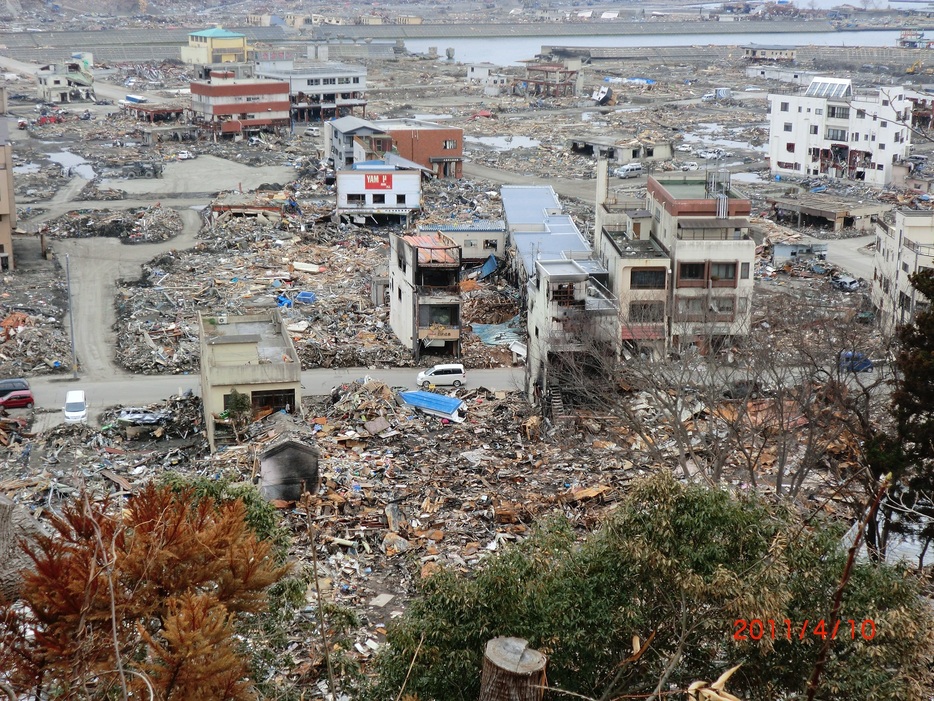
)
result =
(124, 600)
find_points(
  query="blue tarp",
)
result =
(489, 267)
(450, 408)
(500, 334)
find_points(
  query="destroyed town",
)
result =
(491, 350)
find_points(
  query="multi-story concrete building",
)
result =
(478, 240)
(339, 137)
(377, 191)
(322, 90)
(7, 203)
(425, 300)
(437, 147)
(252, 353)
(701, 223)
(836, 130)
(229, 105)
(571, 318)
(904, 245)
(215, 45)
(67, 81)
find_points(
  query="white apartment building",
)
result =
(320, 91)
(904, 245)
(839, 131)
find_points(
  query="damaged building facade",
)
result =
(379, 192)
(681, 265)
(67, 81)
(320, 91)
(842, 132)
(425, 300)
(904, 246)
(7, 204)
(252, 353)
(229, 105)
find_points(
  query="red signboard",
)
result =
(378, 181)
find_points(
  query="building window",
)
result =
(379, 198)
(356, 199)
(838, 112)
(692, 271)
(329, 81)
(343, 81)
(470, 243)
(787, 126)
(885, 103)
(790, 147)
(883, 124)
(783, 107)
(400, 199)
(356, 80)
(861, 114)
(314, 81)
(723, 271)
(814, 129)
(450, 144)
(722, 305)
(744, 271)
(252, 99)
(818, 111)
(882, 147)
(647, 280)
(836, 134)
(646, 312)
(490, 244)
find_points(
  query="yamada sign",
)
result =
(378, 181)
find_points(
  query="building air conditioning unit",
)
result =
(221, 319)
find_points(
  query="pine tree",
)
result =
(152, 590)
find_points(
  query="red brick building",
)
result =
(434, 146)
(234, 105)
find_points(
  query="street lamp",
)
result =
(71, 320)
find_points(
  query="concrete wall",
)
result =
(402, 292)
(909, 241)
(7, 207)
(398, 188)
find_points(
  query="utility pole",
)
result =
(71, 320)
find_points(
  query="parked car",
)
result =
(690, 165)
(854, 361)
(445, 374)
(683, 148)
(185, 155)
(76, 407)
(630, 170)
(313, 131)
(709, 97)
(12, 384)
(18, 399)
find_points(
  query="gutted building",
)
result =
(229, 105)
(252, 353)
(322, 90)
(425, 300)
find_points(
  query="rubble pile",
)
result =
(144, 225)
(33, 338)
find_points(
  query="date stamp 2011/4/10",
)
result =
(785, 629)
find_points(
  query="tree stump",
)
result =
(512, 671)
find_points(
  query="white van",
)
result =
(76, 407)
(630, 170)
(313, 131)
(447, 374)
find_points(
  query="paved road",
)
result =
(848, 255)
(129, 390)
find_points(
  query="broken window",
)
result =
(861, 114)
(400, 199)
(490, 244)
(470, 243)
(647, 280)
(722, 305)
(356, 199)
(450, 144)
(379, 199)
(790, 147)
